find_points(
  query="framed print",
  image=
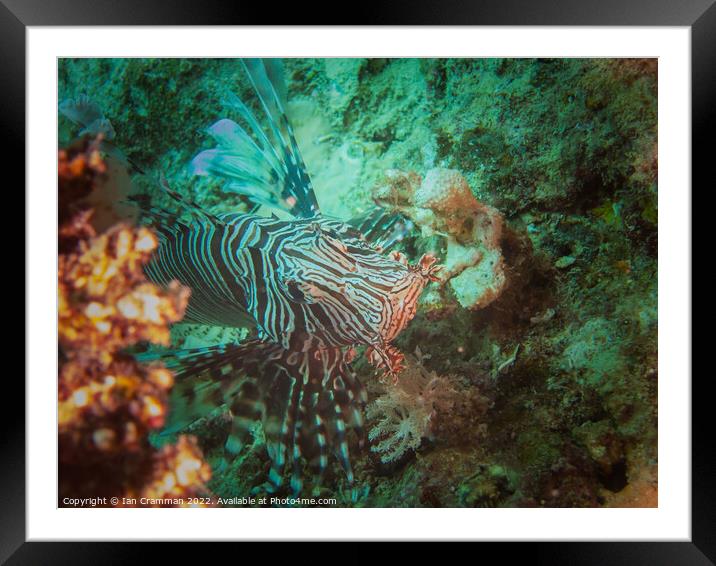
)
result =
(400, 282)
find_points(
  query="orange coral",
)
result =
(107, 403)
(178, 470)
(78, 169)
(104, 301)
(421, 404)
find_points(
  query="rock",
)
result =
(564, 262)
(442, 203)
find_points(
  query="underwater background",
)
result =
(531, 370)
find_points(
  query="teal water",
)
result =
(539, 393)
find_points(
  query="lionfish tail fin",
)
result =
(263, 164)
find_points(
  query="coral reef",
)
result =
(107, 403)
(442, 203)
(423, 404)
(565, 355)
(402, 415)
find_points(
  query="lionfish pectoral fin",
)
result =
(307, 402)
(314, 400)
(263, 164)
(209, 378)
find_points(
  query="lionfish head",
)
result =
(359, 294)
(400, 309)
(406, 292)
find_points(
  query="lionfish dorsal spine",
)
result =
(311, 288)
(267, 168)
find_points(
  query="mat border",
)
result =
(700, 15)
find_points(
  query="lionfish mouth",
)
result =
(428, 268)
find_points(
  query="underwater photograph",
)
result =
(337, 282)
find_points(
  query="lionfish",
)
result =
(312, 287)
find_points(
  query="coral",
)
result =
(442, 203)
(107, 403)
(105, 303)
(484, 488)
(95, 180)
(79, 168)
(179, 473)
(402, 416)
(603, 445)
(566, 149)
(641, 491)
(422, 404)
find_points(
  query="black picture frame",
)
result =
(699, 15)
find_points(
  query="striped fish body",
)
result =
(312, 287)
(305, 284)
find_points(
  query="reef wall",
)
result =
(554, 380)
